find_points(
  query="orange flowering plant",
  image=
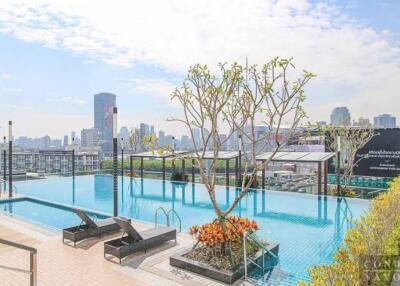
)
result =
(220, 243)
(222, 233)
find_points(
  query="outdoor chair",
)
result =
(89, 228)
(134, 241)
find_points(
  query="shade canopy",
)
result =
(156, 154)
(305, 157)
(209, 155)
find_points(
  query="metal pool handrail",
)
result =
(250, 236)
(156, 215)
(173, 212)
(12, 185)
(33, 262)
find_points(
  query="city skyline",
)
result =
(184, 141)
(142, 68)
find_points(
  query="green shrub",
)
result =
(254, 184)
(179, 176)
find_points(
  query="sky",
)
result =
(55, 55)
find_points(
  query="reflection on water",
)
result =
(308, 228)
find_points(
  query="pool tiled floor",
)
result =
(60, 264)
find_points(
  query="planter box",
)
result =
(180, 261)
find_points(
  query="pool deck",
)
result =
(60, 264)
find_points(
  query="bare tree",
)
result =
(235, 103)
(351, 140)
(134, 139)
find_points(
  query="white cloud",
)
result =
(178, 33)
(7, 76)
(66, 99)
(10, 89)
(29, 122)
(151, 86)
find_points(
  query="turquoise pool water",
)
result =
(42, 213)
(308, 228)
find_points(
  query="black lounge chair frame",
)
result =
(89, 228)
(135, 241)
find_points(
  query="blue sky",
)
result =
(56, 55)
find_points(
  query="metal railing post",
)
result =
(32, 261)
(33, 269)
(245, 255)
(263, 261)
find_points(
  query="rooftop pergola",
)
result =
(153, 155)
(318, 158)
(226, 156)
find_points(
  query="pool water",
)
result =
(42, 213)
(308, 228)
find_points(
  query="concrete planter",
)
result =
(229, 277)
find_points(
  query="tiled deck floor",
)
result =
(59, 264)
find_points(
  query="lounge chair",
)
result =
(89, 228)
(135, 241)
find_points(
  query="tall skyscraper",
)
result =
(161, 138)
(124, 133)
(65, 141)
(89, 137)
(196, 138)
(103, 118)
(185, 142)
(341, 116)
(144, 130)
(385, 121)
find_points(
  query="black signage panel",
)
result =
(383, 155)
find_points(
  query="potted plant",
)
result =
(219, 107)
(218, 249)
(179, 176)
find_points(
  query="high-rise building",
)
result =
(104, 104)
(45, 142)
(185, 142)
(341, 116)
(161, 138)
(144, 130)
(385, 121)
(89, 137)
(196, 138)
(260, 133)
(362, 122)
(152, 130)
(169, 141)
(73, 135)
(56, 144)
(124, 133)
(77, 141)
(65, 141)
(233, 141)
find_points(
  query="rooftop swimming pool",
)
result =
(308, 228)
(42, 213)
